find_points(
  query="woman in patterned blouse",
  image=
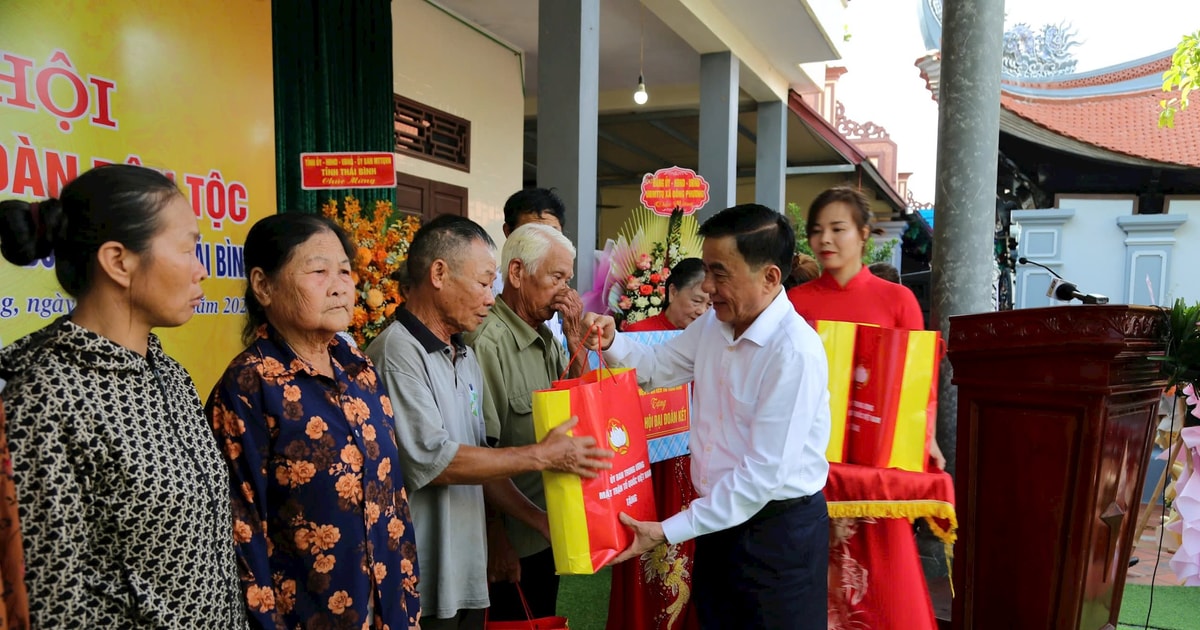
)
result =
(122, 495)
(321, 517)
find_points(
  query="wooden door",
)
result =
(427, 198)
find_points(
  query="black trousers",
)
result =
(539, 582)
(769, 573)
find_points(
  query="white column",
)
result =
(718, 129)
(568, 117)
(771, 155)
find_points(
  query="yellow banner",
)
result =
(185, 87)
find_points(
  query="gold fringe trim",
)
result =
(928, 510)
(911, 510)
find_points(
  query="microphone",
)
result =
(1025, 261)
(1064, 291)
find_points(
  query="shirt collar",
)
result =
(424, 336)
(287, 363)
(767, 322)
(521, 332)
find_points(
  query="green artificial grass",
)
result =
(1175, 607)
(583, 599)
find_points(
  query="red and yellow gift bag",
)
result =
(881, 389)
(894, 372)
(838, 339)
(585, 533)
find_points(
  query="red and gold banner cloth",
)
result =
(875, 574)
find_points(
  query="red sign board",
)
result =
(675, 187)
(666, 411)
(321, 171)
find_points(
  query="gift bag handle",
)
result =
(524, 604)
(578, 348)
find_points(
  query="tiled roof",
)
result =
(1117, 111)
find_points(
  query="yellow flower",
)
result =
(362, 257)
(374, 298)
(383, 242)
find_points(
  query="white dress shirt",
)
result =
(760, 412)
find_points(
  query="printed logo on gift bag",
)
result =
(618, 437)
(861, 376)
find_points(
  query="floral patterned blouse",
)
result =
(321, 519)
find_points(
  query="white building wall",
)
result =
(450, 65)
(1094, 245)
(1185, 268)
(1103, 247)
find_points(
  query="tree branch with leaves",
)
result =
(1184, 75)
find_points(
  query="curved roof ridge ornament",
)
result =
(1028, 54)
(854, 130)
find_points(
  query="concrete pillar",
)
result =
(968, 142)
(771, 155)
(568, 118)
(718, 129)
(965, 200)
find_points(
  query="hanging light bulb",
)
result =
(640, 96)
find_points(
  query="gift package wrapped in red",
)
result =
(882, 393)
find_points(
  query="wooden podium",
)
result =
(1056, 410)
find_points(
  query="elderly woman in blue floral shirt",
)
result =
(321, 518)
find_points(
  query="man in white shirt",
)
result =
(760, 425)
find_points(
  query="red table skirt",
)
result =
(875, 574)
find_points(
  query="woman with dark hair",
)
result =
(685, 299)
(123, 499)
(804, 269)
(839, 223)
(321, 518)
(654, 591)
